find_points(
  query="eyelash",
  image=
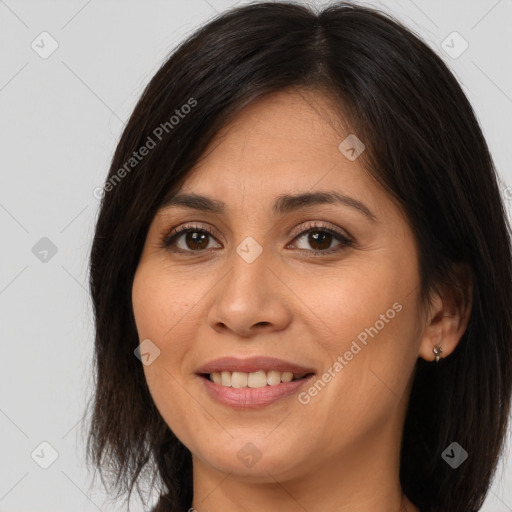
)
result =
(169, 239)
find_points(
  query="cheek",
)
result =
(156, 318)
(144, 297)
(370, 313)
(160, 304)
(160, 316)
(164, 314)
(354, 299)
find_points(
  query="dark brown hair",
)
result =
(423, 144)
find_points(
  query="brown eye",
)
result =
(196, 240)
(318, 240)
(188, 240)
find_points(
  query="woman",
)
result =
(301, 275)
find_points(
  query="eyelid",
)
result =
(181, 229)
(320, 224)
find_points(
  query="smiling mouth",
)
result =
(256, 379)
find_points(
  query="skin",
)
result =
(340, 451)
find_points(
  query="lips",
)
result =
(247, 397)
(252, 364)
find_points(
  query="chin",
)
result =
(259, 461)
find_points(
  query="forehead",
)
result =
(287, 140)
(283, 143)
(291, 124)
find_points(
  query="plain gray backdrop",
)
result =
(70, 75)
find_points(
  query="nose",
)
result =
(252, 298)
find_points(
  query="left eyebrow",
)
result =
(283, 204)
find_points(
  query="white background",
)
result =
(60, 120)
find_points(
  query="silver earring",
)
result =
(437, 351)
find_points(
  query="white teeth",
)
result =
(238, 380)
(225, 378)
(287, 377)
(257, 379)
(273, 378)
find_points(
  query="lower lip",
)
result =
(251, 398)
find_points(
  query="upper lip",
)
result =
(252, 364)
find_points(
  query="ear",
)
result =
(448, 316)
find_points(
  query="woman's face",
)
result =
(267, 276)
